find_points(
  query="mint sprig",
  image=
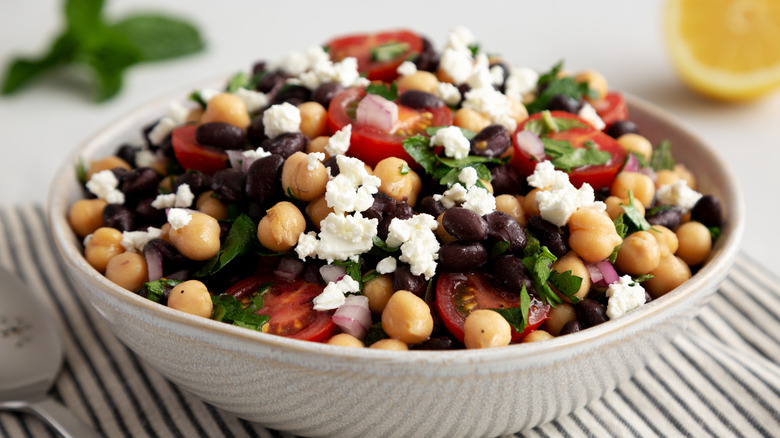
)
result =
(106, 47)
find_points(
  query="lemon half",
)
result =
(726, 49)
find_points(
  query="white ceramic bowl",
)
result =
(310, 389)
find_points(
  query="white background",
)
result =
(624, 40)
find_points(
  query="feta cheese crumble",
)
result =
(493, 104)
(353, 188)
(468, 176)
(256, 154)
(280, 119)
(624, 297)
(344, 72)
(387, 265)
(345, 237)
(104, 185)
(338, 143)
(474, 198)
(521, 81)
(678, 194)
(314, 158)
(136, 240)
(407, 68)
(177, 115)
(419, 246)
(456, 145)
(560, 199)
(588, 113)
(145, 158)
(181, 199)
(334, 294)
(253, 100)
(449, 93)
(307, 245)
(178, 217)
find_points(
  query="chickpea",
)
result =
(639, 184)
(86, 215)
(378, 290)
(486, 328)
(670, 273)
(397, 185)
(470, 119)
(558, 316)
(511, 205)
(615, 206)
(345, 340)
(191, 297)
(303, 180)
(318, 210)
(636, 143)
(592, 234)
(639, 254)
(595, 80)
(107, 163)
(570, 262)
(444, 236)
(695, 243)
(407, 317)
(103, 246)
(665, 177)
(420, 80)
(389, 344)
(228, 108)
(530, 206)
(209, 204)
(314, 119)
(127, 270)
(667, 240)
(199, 239)
(488, 186)
(318, 145)
(281, 226)
(536, 336)
(685, 174)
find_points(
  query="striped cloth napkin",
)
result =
(720, 378)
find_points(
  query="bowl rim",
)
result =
(714, 270)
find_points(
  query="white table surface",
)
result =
(623, 40)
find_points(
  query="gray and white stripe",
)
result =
(720, 378)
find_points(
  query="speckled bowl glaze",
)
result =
(314, 389)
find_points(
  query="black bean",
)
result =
(311, 272)
(332, 164)
(602, 194)
(570, 327)
(383, 205)
(420, 100)
(399, 210)
(271, 80)
(228, 185)
(504, 71)
(708, 211)
(492, 141)
(621, 127)
(562, 102)
(263, 179)
(127, 153)
(667, 216)
(506, 180)
(140, 182)
(221, 135)
(403, 279)
(172, 259)
(286, 144)
(166, 147)
(292, 94)
(555, 238)
(435, 343)
(199, 182)
(119, 174)
(462, 257)
(326, 92)
(428, 59)
(510, 272)
(430, 206)
(590, 312)
(504, 228)
(258, 68)
(145, 213)
(255, 132)
(119, 217)
(465, 225)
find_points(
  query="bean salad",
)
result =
(379, 192)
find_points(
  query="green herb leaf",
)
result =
(474, 48)
(388, 51)
(538, 260)
(352, 269)
(471, 160)
(517, 317)
(642, 278)
(498, 248)
(156, 289)
(81, 171)
(83, 15)
(418, 148)
(239, 80)
(159, 37)
(370, 275)
(240, 238)
(404, 169)
(387, 91)
(566, 283)
(382, 245)
(229, 310)
(714, 232)
(375, 333)
(620, 226)
(566, 157)
(547, 124)
(466, 133)
(636, 221)
(555, 85)
(662, 157)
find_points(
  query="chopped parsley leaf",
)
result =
(389, 92)
(388, 51)
(517, 317)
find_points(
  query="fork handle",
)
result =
(63, 420)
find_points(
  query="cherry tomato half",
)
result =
(597, 176)
(378, 55)
(193, 156)
(371, 145)
(459, 294)
(611, 108)
(289, 307)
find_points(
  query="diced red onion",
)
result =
(649, 172)
(531, 143)
(632, 164)
(353, 316)
(332, 273)
(378, 112)
(595, 274)
(238, 160)
(154, 264)
(608, 272)
(179, 275)
(289, 268)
